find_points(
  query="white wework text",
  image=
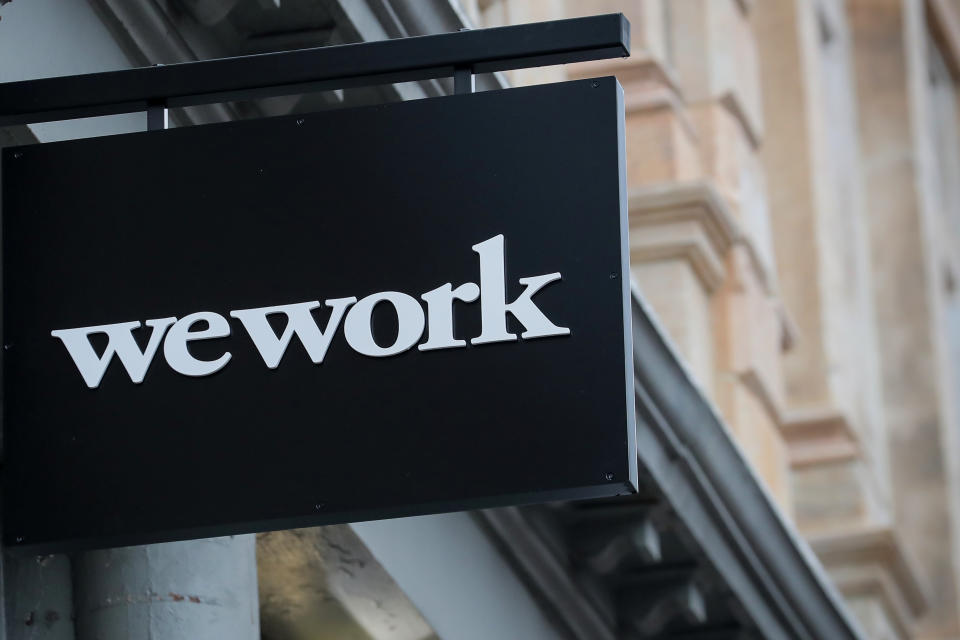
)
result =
(176, 333)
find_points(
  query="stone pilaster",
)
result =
(679, 234)
(834, 420)
(890, 43)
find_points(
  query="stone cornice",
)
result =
(648, 84)
(687, 220)
(817, 436)
(691, 221)
(874, 560)
(640, 67)
(688, 451)
(729, 101)
(762, 389)
(701, 526)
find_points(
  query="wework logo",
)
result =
(356, 316)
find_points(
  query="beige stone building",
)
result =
(794, 168)
(794, 173)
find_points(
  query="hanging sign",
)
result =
(357, 314)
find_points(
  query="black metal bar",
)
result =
(463, 80)
(337, 67)
(156, 116)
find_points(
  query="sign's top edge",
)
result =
(302, 118)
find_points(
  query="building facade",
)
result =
(794, 203)
(793, 172)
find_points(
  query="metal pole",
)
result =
(200, 589)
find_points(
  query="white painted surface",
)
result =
(192, 590)
(456, 577)
(46, 38)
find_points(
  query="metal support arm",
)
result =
(271, 74)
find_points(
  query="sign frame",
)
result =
(609, 482)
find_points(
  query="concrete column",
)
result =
(201, 589)
(39, 602)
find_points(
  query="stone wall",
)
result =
(794, 176)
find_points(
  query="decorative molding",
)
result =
(641, 67)
(729, 101)
(817, 436)
(759, 385)
(873, 561)
(690, 456)
(701, 550)
(551, 579)
(650, 99)
(659, 597)
(686, 220)
(691, 221)
(649, 84)
(872, 581)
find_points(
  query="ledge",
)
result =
(818, 436)
(687, 220)
(648, 84)
(691, 221)
(729, 101)
(642, 67)
(688, 451)
(758, 384)
(873, 561)
(701, 547)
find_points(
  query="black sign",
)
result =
(357, 314)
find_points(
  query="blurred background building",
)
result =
(794, 198)
(794, 210)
